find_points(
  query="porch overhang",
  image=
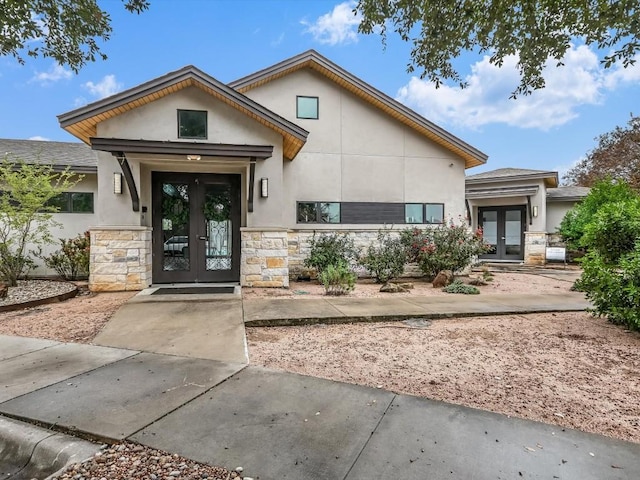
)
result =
(120, 147)
(520, 191)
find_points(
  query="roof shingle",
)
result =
(76, 155)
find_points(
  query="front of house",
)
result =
(199, 181)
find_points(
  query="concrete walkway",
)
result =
(287, 311)
(280, 425)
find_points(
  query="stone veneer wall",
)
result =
(264, 260)
(120, 259)
(535, 245)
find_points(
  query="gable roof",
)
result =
(513, 174)
(312, 59)
(82, 121)
(78, 156)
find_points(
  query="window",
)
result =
(318, 212)
(307, 107)
(73, 202)
(413, 213)
(434, 213)
(192, 124)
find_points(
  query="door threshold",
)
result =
(198, 292)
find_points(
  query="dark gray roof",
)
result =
(567, 194)
(507, 174)
(76, 155)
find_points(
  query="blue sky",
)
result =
(551, 129)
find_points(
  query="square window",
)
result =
(434, 213)
(60, 202)
(81, 202)
(413, 213)
(307, 212)
(307, 107)
(192, 124)
(329, 212)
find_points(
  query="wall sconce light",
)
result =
(264, 187)
(193, 157)
(117, 183)
(535, 211)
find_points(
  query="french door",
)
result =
(196, 227)
(503, 229)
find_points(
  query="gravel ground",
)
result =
(28, 290)
(130, 461)
(569, 369)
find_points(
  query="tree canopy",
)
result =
(617, 156)
(535, 30)
(66, 30)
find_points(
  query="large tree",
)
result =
(535, 30)
(617, 156)
(66, 30)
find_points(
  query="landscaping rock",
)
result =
(444, 278)
(476, 280)
(405, 285)
(4, 290)
(393, 288)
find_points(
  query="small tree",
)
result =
(71, 262)
(25, 212)
(386, 258)
(331, 249)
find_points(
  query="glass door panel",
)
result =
(175, 218)
(513, 232)
(490, 230)
(218, 227)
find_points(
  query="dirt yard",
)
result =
(568, 368)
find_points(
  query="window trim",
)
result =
(206, 123)
(317, 117)
(424, 214)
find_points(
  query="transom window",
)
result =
(192, 124)
(369, 213)
(307, 107)
(430, 213)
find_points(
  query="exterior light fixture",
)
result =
(264, 187)
(535, 211)
(193, 157)
(117, 183)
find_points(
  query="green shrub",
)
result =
(614, 289)
(331, 249)
(458, 287)
(384, 259)
(337, 279)
(572, 227)
(71, 262)
(614, 229)
(445, 247)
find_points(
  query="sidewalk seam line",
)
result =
(384, 414)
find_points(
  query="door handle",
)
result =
(203, 238)
(503, 238)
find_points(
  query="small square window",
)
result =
(60, 202)
(192, 124)
(307, 107)
(81, 202)
(413, 213)
(307, 212)
(329, 212)
(434, 213)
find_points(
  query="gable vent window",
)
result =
(307, 107)
(192, 124)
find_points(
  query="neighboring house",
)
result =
(519, 211)
(205, 182)
(77, 206)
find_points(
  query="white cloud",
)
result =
(278, 41)
(104, 88)
(581, 81)
(54, 74)
(39, 138)
(336, 27)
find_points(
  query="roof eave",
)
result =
(514, 178)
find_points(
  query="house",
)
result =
(199, 181)
(519, 211)
(76, 207)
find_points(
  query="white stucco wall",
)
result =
(355, 152)
(71, 224)
(158, 121)
(555, 213)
